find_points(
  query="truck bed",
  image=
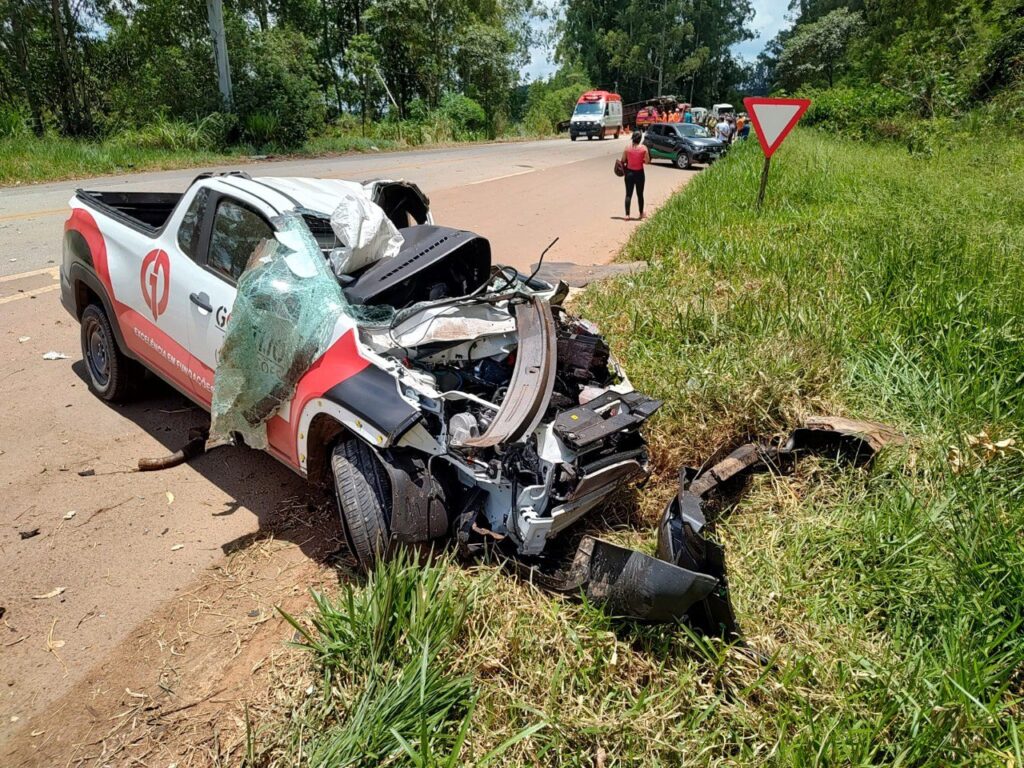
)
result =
(146, 212)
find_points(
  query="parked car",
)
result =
(482, 409)
(683, 144)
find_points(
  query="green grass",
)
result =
(165, 145)
(874, 284)
(27, 159)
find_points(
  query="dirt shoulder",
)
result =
(176, 688)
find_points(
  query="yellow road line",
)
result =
(51, 271)
(35, 214)
(29, 294)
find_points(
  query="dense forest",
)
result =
(98, 68)
(643, 48)
(922, 58)
(87, 67)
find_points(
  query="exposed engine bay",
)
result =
(525, 399)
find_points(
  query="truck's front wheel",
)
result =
(112, 376)
(363, 493)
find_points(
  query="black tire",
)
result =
(616, 134)
(684, 161)
(590, 137)
(572, 136)
(112, 376)
(601, 137)
(363, 493)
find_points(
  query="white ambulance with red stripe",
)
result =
(597, 114)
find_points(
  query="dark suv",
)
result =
(683, 143)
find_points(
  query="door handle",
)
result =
(202, 301)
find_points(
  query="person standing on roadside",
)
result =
(742, 127)
(634, 158)
(723, 131)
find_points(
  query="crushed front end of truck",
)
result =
(453, 399)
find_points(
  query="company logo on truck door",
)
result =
(155, 280)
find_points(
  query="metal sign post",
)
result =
(773, 120)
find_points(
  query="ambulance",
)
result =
(597, 114)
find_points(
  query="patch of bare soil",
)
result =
(176, 690)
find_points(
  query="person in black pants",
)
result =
(634, 158)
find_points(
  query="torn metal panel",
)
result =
(533, 378)
(366, 234)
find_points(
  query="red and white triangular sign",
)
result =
(774, 119)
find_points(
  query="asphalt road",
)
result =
(520, 195)
(89, 558)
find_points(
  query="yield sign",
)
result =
(774, 119)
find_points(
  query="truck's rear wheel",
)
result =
(363, 493)
(112, 376)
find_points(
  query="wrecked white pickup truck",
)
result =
(334, 325)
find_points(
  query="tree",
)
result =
(640, 47)
(818, 48)
(362, 57)
(278, 99)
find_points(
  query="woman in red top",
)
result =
(635, 157)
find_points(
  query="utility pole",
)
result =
(215, 15)
(661, 51)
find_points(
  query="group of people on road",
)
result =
(729, 128)
(680, 115)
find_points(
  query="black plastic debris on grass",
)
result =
(687, 581)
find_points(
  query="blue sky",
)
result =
(769, 18)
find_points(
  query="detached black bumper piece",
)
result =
(681, 539)
(687, 581)
(627, 583)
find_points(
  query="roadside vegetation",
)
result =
(876, 284)
(96, 87)
(920, 73)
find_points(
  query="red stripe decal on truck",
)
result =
(142, 337)
(340, 362)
